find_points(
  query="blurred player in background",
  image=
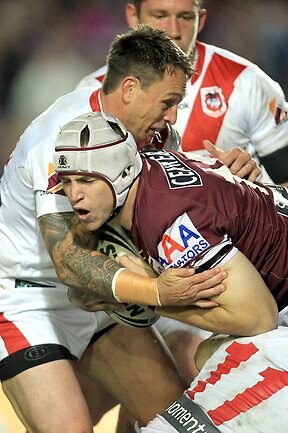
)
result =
(229, 100)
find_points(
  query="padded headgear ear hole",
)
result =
(85, 136)
(115, 126)
(126, 172)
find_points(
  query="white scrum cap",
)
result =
(98, 144)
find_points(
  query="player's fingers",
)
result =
(236, 159)
(212, 149)
(207, 279)
(254, 174)
(137, 265)
(211, 292)
(129, 262)
(249, 171)
(205, 303)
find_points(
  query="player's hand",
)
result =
(182, 287)
(137, 265)
(237, 160)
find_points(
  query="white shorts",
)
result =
(39, 324)
(242, 388)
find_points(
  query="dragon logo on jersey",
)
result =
(213, 101)
(180, 243)
(178, 174)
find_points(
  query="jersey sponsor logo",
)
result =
(186, 416)
(213, 101)
(180, 243)
(178, 174)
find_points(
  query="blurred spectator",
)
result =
(45, 49)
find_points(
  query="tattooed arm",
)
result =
(89, 274)
(78, 265)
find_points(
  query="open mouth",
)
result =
(81, 212)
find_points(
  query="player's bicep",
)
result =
(246, 307)
(247, 299)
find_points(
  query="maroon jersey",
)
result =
(196, 213)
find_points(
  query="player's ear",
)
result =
(202, 19)
(129, 88)
(131, 15)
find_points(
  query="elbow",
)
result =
(259, 323)
(77, 298)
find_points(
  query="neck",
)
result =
(125, 216)
(110, 104)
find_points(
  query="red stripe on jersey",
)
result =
(94, 101)
(237, 353)
(221, 73)
(13, 338)
(274, 380)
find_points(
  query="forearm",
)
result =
(76, 261)
(93, 277)
(219, 320)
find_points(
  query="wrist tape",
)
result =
(133, 288)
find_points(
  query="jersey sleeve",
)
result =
(49, 194)
(267, 122)
(51, 203)
(94, 79)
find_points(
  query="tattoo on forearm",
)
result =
(78, 264)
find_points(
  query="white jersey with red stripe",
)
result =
(231, 102)
(29, 285)
(30, 188)
(242, 388)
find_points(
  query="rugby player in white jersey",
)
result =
(229, 100)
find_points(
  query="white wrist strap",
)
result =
(114, 284)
